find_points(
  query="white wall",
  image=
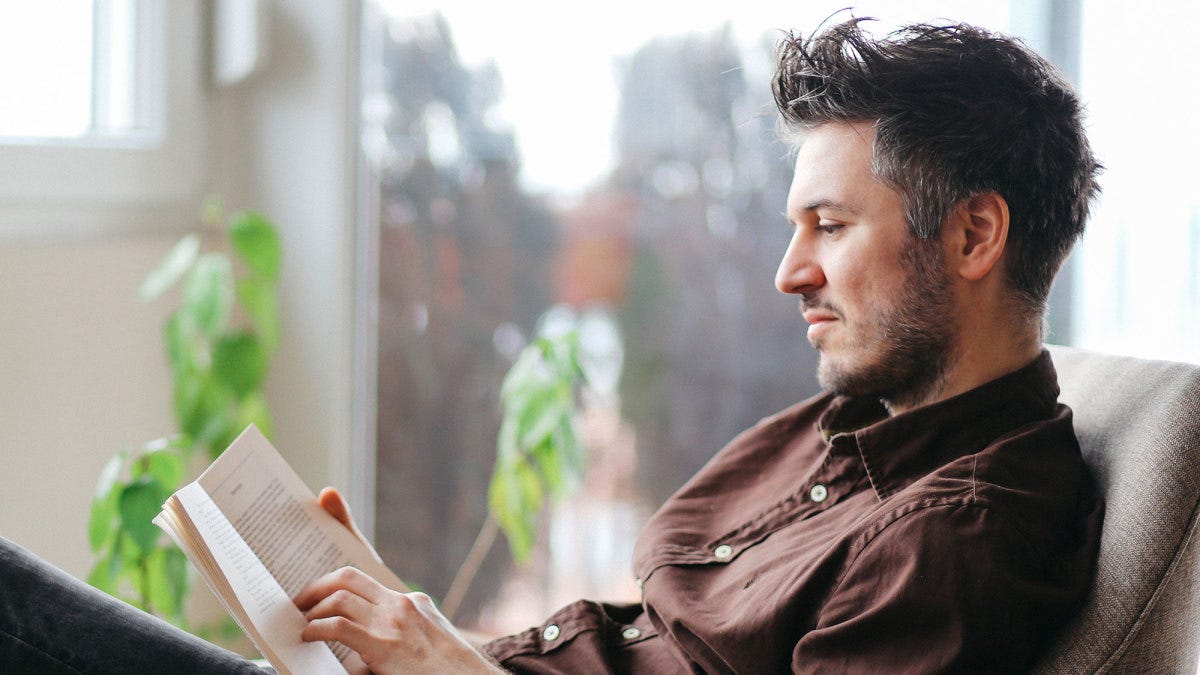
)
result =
(81, 365)
(284, 145)
(82, 375)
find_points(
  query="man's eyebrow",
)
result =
(829, 204)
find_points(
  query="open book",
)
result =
(255, 532)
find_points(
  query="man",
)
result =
(930, 512)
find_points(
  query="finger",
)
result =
(335, 505)
(341, 603)
(336, 629)
(346, 578)
(331, 500)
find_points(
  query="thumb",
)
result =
(335, 505)
(332, 501)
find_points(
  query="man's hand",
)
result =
(392, 632)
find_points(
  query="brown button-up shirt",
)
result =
(834, 538)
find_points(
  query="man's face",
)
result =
(877, 299)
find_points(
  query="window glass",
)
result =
(69, 69)
(611, 164)
(105, 113)
(1138, 267)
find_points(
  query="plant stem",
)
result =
(470, 567)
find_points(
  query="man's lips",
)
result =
(817, 316)
(818, 320)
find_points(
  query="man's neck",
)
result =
(971, 365)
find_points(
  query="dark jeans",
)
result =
(51, 622)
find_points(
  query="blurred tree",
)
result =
(711, 347)
(681, 239)
(465, 270)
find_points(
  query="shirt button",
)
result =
(551, 633)
(723, 552)
(818, 493)
(631, 633)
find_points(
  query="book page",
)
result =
(266, 611)
(278, 517)
(250, 516)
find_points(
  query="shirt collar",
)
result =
(896, 451)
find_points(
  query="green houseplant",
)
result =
(539, 457)
(538, 453)
(219, 342)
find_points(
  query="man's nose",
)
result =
(798, 271)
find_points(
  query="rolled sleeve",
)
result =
(586, 637)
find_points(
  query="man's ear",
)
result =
(978, 235)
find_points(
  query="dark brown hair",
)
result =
(958, 111)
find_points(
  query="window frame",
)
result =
(54, 184)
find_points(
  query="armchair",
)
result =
(1138, 423)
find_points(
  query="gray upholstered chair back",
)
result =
(1138, 423)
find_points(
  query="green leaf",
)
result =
(180, 350)
(177, 574)
(208, 295)
(507, 450)
(199, 400)
(177, 444)
(504, 501)
(158, 589)
(189, 397)
(116, 565)
(166, 467)
(566, 441)
(562, 353)
(515, 497)
(140, 502)
(239, 363)
(552, 467)
(532, 495)
(555, 352)
(104, 503)
(167, 582)
(131, 568)
(101, 521)
(540, 414)
(102, 576)
(171, 269)
(537, 449)
(527, 368)
(218, 431)
(256, 243)
(260, 301)
(254, 410)
(109, 475)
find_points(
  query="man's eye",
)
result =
(829, 229)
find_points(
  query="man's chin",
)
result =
(832, 376)
(890, 385)
(838, 378)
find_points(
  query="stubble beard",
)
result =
(913, 340)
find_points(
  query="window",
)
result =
(1138, 266)
(103, 105)
(87, 84)
(616, 165)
